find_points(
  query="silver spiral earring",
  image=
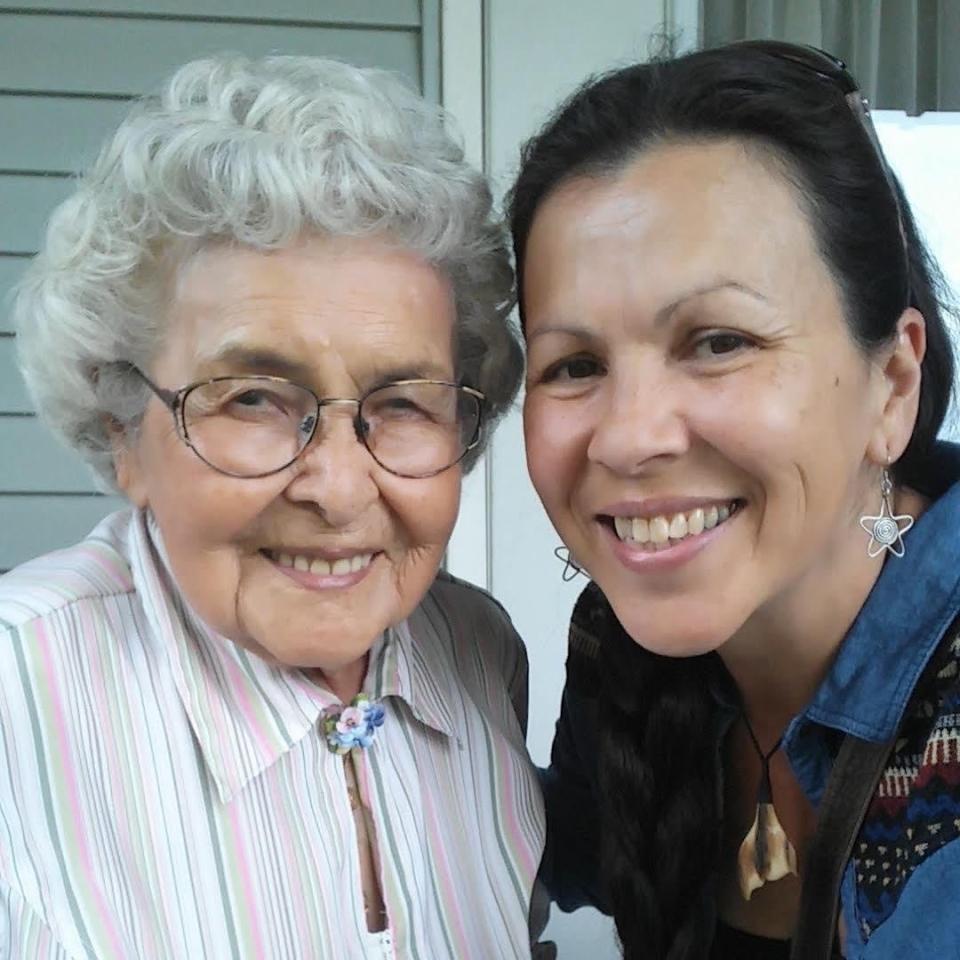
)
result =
(887, 528)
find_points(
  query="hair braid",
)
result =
(657, 768)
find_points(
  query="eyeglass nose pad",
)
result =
(360, 428)
(308, 425)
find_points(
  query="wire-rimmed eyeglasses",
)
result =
(828, 67)
(255, 426)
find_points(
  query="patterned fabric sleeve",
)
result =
(916, 808)
(23, 933)
(519, 678)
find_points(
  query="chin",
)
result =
(666, 635)
(309, 653)
(328, 657)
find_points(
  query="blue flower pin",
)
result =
(354, 726)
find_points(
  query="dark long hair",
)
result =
(657, 761)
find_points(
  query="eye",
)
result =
(390, 406)
(401, 405)
(720, 344)
(572, 369)
(250, 398)
(255, 403)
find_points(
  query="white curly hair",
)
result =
(259, 153)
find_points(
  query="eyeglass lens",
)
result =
(252, 427)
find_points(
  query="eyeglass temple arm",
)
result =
(168, 397)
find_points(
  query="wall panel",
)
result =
(91, 55)
(67, 69)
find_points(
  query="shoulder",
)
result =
(467, 606)
(447, 588)
(926, 920)
(95, 568)
(470, 624)
(914, 816)
(591, 621)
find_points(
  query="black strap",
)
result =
(853, 780)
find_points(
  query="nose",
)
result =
(640, 421)
(336, 471)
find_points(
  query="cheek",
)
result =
(206, 521)
(206, 509)
(423, 511)
(208, 535)
(769, 418)
(556, 437)
(210, 518)
(798, 439)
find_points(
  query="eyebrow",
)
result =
(261, 360)
(425, 371)
(662, 315)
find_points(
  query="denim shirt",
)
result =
(866, 693)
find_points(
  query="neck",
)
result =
(343, 682)
(782, 653)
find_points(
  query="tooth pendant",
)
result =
(766, 853)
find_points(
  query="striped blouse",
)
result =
(164, 794)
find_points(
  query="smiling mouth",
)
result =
(664, 531)
(319, 566)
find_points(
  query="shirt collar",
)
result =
(910, 607)
(246, 713)
(413, 664)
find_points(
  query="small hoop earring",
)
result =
(886, 529)
(570, 568)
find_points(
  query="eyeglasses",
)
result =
(828, 67)
(255, 426)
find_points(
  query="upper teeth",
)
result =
(674, 527)
(324, 567)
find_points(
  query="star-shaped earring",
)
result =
(571, 568)
(887, 529)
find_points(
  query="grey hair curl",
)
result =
(258, 153)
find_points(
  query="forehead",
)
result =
(676, 215)
(323, 299)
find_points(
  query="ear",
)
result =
(126, 464)
(899, 378)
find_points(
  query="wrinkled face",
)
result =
(305, 567)
(697, 416)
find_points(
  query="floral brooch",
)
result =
(352, 726)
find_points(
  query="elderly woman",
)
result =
(246, 717)
(737, 368)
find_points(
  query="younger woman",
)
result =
(737, 371)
